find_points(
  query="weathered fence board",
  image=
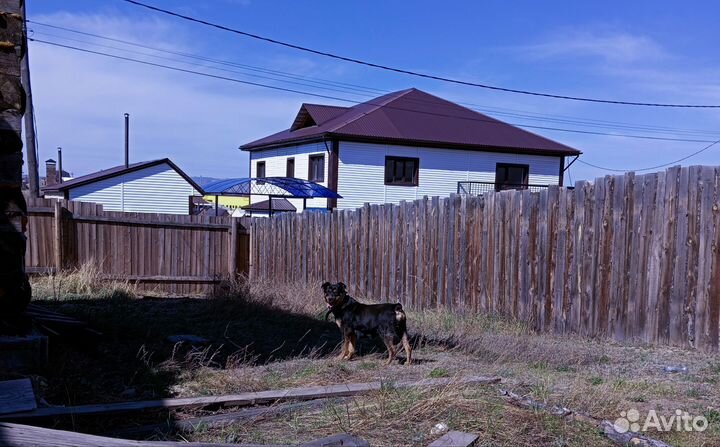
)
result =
(631, 257)
(184, 255)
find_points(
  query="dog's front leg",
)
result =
(352, 340)
(343, 350)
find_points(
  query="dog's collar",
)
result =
(339, 308)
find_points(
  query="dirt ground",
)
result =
(261, 338)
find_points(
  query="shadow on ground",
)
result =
(134, 360)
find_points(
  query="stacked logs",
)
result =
(14, 286)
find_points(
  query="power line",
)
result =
(183, 70)
(650, 168)
(371, 91)
(415, 73)
(374, 91)
(256, 84)
(596, 123)
(590, 132)
(305, 84)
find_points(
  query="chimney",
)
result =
(127, 140)
(60, 169)
(50, 172)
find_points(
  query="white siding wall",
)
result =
(54, 195)
(156, 189)
(361, 171)
(276, 164)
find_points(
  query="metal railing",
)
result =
(479, 188)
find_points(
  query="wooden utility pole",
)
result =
(14, 286)
(30, 141)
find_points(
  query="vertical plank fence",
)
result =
(173, 254)
(630, 257)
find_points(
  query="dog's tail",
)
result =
(400, 321)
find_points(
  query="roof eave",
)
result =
(460, 146)
(251, 147)
(421, 143)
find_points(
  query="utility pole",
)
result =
(30, 141)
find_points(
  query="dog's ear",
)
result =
(325, 286)
(342, 287)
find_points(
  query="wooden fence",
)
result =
(176, 254)
(632, 257)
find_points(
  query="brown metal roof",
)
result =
(315, 114)
(411, 117)
(116, 171)
(322, 113)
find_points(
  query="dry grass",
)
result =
(83, 283)
(405, 417)
(597, 377)
(265, 336)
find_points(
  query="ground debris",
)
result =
(188, 338)
(608, 428)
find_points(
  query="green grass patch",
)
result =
(306, 372)
(436, 373)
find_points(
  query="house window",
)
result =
(317, 168)
(511, 176)
(290, 168)
(260, 170)
(401, 171)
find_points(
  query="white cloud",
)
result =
(198, 122)
(613, 47)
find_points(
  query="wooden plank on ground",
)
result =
(17, 435)
(246, 415)
(342, 439)
(251, 398)
(455, 439)
(16, 395)
(24, 435)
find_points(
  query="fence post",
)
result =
(58, 227)
(233, 249)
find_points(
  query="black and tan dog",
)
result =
(386, 320)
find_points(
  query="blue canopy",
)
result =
(271, 186)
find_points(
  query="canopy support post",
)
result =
(216, 205)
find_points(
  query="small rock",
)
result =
(676, 369)
(439, 429)
(192, 339)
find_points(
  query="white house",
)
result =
(156, 186)
(403, 146)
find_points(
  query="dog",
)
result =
(352, 317)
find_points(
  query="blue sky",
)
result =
(646, 51)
